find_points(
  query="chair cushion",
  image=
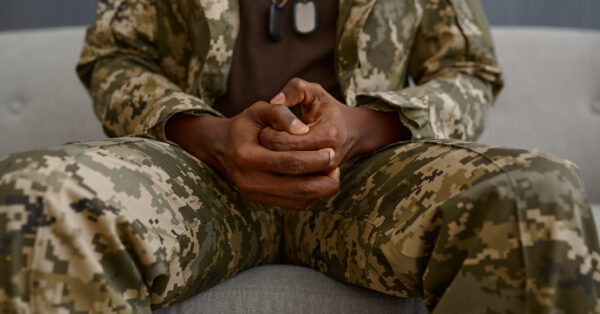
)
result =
(291, 289)
(551, 102)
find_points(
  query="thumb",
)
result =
(298, 92)
(278, 99)
(281, 118)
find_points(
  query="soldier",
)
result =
(379, 184)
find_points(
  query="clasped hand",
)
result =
(270, 155)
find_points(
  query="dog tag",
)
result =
(305, 16)
(276, 22)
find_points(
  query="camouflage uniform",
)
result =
(131, 223)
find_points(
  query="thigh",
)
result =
(121, 224)
(424, 219)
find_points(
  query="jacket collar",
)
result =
(222, 20)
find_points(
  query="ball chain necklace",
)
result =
(305, 18)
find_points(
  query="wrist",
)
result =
(202, 136)
(370, 130)
(356, 138)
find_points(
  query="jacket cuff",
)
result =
(411, 105)
(169, 105)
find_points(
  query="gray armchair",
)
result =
(551, 103)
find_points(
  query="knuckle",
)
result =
(297, 82)
(278, 110)
(294, 165)
(318, 87)
(330, 142)
(240, 158)
(276, 143)
(332, 134)
(283, 115)
(303, 192)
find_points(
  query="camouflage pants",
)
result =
(128, 224)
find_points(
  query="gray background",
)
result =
(19, 14)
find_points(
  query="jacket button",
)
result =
(16, 107)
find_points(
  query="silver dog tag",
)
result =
(305, 16)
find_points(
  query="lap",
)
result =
(122, 173)
(414, 205)
(422, 174)
(409, 219)
(178, 219)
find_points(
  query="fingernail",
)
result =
(331, 156)
(337, 173)
(298, 127)
(278, 99)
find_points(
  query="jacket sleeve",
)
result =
(455, 71)
(119, 67)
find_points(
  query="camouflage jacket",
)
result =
(145, 60)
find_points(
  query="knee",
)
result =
(45, 185)
(31, 174)
(544, 181)
(506, 186)
(540, 196)
(23, 176)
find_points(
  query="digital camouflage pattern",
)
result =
(116, 226)
(144, 61)
(129, 224)
(468, 227)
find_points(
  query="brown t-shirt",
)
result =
(261, 66)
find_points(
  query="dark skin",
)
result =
(274, 158)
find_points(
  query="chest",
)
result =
(372, 42)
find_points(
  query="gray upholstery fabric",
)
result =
(551, 103)
(291, 289)
(42, 102)
(552, 98)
